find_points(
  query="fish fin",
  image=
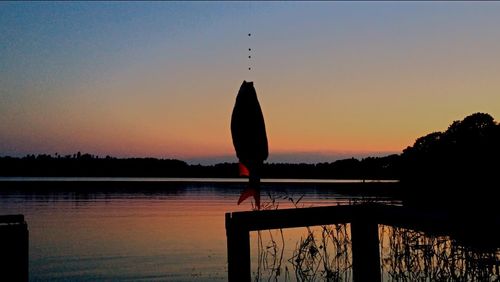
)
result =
(243, 170)
(250, 192)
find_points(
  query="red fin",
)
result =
(243, 170)
(250, 192)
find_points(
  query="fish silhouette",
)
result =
(248, 131)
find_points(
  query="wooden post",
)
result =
(14, 252)
(238, 251)
(365, 251)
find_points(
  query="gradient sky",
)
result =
(159, 79)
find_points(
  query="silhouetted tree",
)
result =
(466, 155)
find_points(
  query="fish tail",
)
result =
(250, 192)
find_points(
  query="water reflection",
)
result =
(320, 253)
(324, 253)
(409, 255)
(176, 232)
(136, 231)
(369, 242)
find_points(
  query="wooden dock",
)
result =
(363, 218)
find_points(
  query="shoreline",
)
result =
(96, 184)
(4, 179)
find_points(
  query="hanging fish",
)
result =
(249, 139)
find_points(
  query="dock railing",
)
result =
(364, 220)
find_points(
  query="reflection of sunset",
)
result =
(180, 230)
(315, 252)
(405, 254)
(144, 233)
(411, 255)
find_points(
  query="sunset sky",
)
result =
(334, 79)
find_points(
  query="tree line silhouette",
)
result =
(95, 166)
(459, 165)
(467, 151)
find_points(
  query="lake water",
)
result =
(177, 233)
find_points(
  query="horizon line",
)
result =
(280, 157)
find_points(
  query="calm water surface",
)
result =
(178, 234)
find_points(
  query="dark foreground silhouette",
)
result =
(467, 150)
(365, 242)
(14, 245)
(249, 139)
(458, 165)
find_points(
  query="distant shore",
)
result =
(190, 180)
(466, 153)
(150, 184)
